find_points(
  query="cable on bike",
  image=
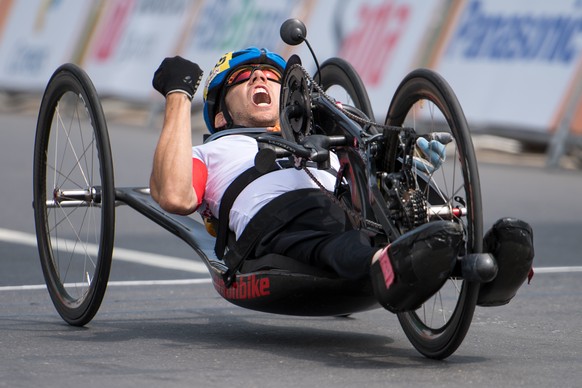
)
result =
(362, 121)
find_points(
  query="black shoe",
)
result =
(510, 241)
(416, 265)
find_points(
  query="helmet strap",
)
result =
(228, 118)
(225, 112)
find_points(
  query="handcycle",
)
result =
(378, 185)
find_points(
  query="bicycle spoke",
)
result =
(443, 187)
(73, 256)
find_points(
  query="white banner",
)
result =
(38, 37)
(382, 39)
(511, 63)
(221, 26)
(129, 42)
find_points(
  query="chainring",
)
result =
(295, 104)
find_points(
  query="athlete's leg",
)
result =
(321, 236)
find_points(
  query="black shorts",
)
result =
(309, 227)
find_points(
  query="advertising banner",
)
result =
(382, 39)
(37, 37)
(513, 63)
(221, 26)
(130, 40)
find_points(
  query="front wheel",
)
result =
(74, 195)
(425, 102)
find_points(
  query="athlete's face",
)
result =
(255, 102)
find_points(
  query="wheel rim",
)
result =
(438, 327)
(341, 82)
(434, 316)
(74, 195)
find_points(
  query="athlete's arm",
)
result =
(171, 181)
(171, 177)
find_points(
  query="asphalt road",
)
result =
(181, 333)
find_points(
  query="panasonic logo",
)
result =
(522, 36)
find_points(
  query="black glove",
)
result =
(177, 75)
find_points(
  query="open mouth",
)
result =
(261, 97)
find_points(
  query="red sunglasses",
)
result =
(244, 73)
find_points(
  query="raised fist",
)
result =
(177, 75)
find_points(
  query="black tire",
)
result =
(426, 102)
(352, 91)
(74, 195)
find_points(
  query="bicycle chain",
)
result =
(356, 216)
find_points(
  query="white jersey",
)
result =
(229, 156)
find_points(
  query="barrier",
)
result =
(515, 66)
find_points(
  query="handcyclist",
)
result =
(283, 212)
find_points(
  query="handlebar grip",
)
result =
(335, 141)
(294, 148)
(313, 147)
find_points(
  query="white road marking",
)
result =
(541, 270)
(132, 256)
(168, 262)
(132, 283)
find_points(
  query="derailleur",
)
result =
(407, 205)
